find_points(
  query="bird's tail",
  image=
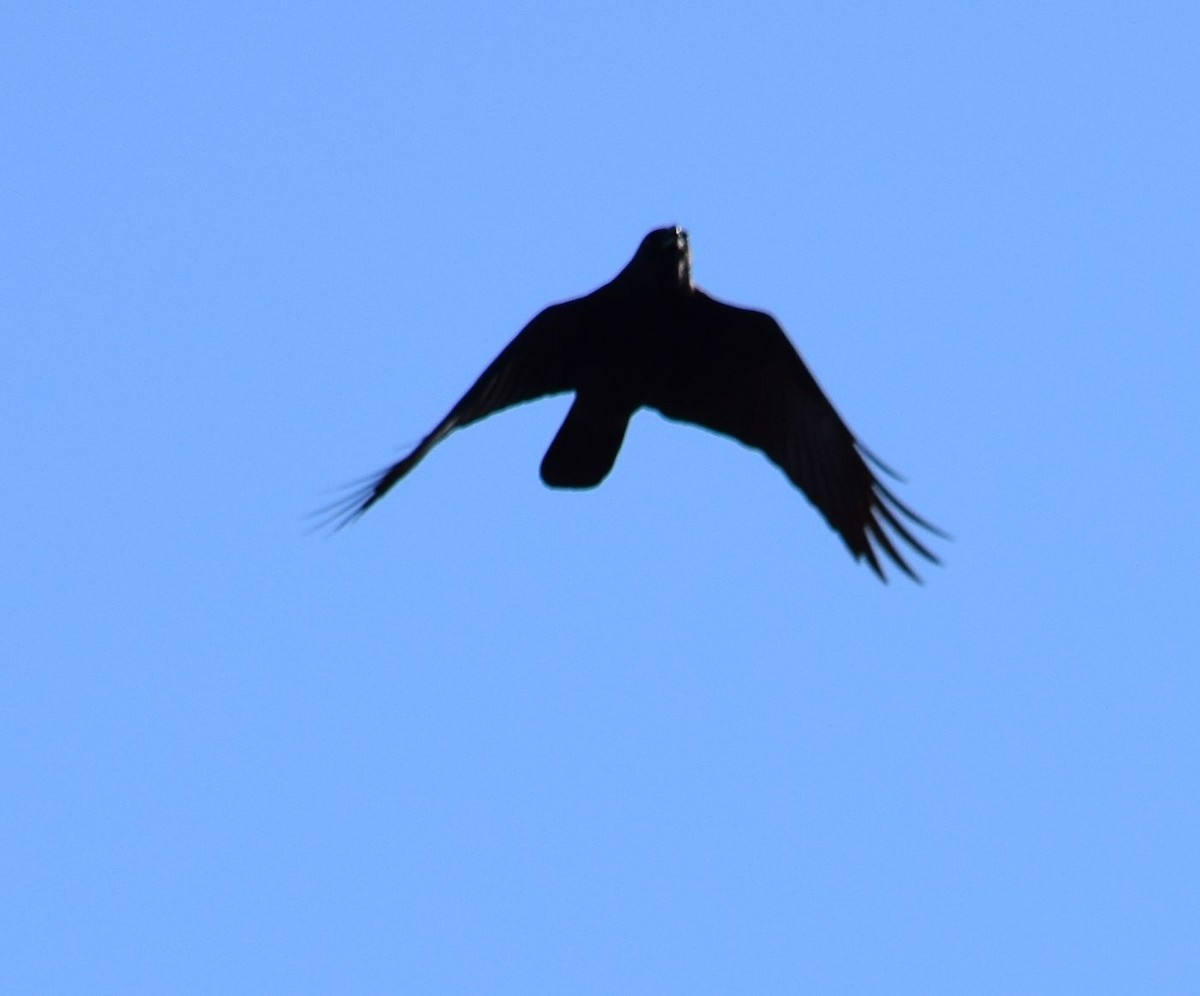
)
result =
(587, 445)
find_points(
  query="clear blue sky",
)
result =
(664, 736)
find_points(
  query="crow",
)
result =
(651, 338)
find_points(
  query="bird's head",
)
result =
(663, 260)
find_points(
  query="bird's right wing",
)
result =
(540, 361)
(737, 373)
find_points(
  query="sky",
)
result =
(661, 736)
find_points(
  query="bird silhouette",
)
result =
(651, 338)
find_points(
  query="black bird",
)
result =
(650, 338)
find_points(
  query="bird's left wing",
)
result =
(736, 372)
(541, 360)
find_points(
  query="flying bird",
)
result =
(651, 338)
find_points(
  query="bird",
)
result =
(650, 338)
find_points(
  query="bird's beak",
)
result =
(674, 238)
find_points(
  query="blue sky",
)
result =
(664, 736)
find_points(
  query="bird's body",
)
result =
(650, 338)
